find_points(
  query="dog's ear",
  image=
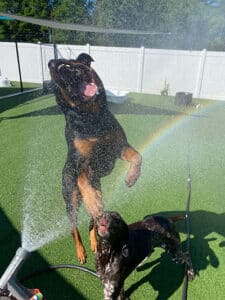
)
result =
(125, 251)
(85, 59)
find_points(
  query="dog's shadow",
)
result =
(166, 277)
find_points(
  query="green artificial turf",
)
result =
(16, 88)
(174, 141)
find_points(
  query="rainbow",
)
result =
(157, 137)
(162, 131)
(170, 125)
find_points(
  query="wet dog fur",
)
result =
(94, 137)
(122, 247)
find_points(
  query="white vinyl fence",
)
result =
(201, 73)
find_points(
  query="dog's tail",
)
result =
(177, 218)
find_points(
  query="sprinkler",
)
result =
(10, 288)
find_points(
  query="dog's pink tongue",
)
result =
(90, 90)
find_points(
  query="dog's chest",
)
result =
(95, 145)
(99, 152)
(91, 124)
(108, 262)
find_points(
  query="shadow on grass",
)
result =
(8, 91)
(125, 108)
(49, 111)
(138, 109)
(165, 276)
(51, 284)
(13, 101)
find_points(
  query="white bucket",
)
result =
(4, 82)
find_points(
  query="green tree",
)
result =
(71, 11)
(186, 20)
(75, 11)
(20, 31)
(129, 14)
(216, 27)
(192, 23)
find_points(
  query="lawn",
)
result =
(174, 141)
(15, 88)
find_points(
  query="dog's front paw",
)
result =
(134, 171)
(132, 177)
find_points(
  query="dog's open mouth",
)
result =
(89, 89)
(102, 226)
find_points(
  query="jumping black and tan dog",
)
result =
(122, 247)
(95, 140)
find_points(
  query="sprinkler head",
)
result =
(9, 286)
(13, 267)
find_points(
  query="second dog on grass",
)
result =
(122, 247)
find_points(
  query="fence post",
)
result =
(55, 51)
(19, 68)
(141, 68)
(200, 74)
(41, 61)
(88, 47)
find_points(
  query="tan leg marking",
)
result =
(93, 240)
(92, 198)
(84, 146)
(80, 250)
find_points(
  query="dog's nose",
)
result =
(51, 63)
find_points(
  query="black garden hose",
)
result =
(55, 267)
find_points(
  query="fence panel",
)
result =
(213, 83)
(178, 69)
(127, 69)
(8, 61)
(118, 67)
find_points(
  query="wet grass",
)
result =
(33, 151)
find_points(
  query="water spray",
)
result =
(10, 288)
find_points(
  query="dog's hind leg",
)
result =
(135, 160)
(184, 258)
(173, 246)
(92, 197)
(73, 199)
